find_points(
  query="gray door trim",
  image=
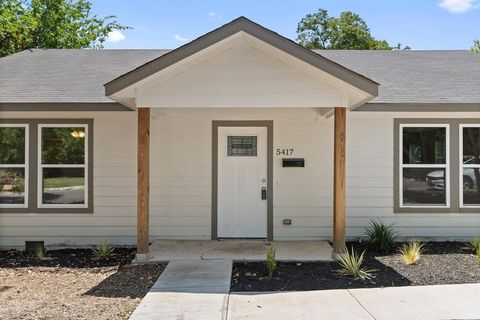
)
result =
(247, 123)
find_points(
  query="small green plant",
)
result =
(351, 265)
(411, 252)
(41, 253)
(474, 244)
(103, 250)
(271, 262)
(381, 236)
(478, 258)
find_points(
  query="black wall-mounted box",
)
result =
(293, 162)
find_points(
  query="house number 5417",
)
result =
(284, 152)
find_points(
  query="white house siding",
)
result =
(181, 142)
(114, 165)
(183, 175)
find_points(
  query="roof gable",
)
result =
(242, 24)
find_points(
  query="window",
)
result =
(242, 146)
(62, 170)
(13, 165)
(424, 165)
(46, 165)
(469, 179)
(437, 166)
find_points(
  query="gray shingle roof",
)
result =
(66, 75)
(79, 75)
(442, 76)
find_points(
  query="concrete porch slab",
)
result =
(238, 250)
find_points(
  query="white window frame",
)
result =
(41, 166)
(462, 166)
(25, 166)
(445, 166)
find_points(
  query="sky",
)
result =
(167, 24)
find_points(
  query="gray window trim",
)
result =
(33, 166)
(454, 159)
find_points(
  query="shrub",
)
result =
(411, 252)
(474, 244)
(18, 185)
(271, 262)
(380, 236)
(351, 265)
(103, 250)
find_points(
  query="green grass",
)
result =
(63, 182)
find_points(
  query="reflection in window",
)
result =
(424, 145)
(63, 165)
(424, 165)
(470, 166)
(424, 186)
(13, 155)
(242, 146)
(63, 186)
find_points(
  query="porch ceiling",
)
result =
(242, 65)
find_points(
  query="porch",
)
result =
(238, 250)
(241, 67)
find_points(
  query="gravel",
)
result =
(72, 284)
(441, 263)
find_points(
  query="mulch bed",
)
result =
(72, 284)
(441, 263)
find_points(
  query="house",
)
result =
(240, 133)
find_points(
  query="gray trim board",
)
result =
(243, 24)
(238, 123)
(66, 106)
(454, 165)
(419, 107)
(33, 166)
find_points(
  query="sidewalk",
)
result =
(199, 289)
(425, 302)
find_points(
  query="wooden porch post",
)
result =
(339, 181)
(143, 182)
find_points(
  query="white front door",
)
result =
(242, 174)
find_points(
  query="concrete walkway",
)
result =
(238, 250)
(199, 290)
(426, 302)
(188, 290)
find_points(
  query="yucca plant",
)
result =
(351, 265)
(103, 250)
(381, 236)
(411, 252)
(478, 258)
(271, 262)
(41, 253)
(474, 244)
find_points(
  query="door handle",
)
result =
(264, 193)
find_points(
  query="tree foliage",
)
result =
(349, 31)
(12, 145)
(65, 24)
(476, 46)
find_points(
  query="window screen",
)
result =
(242, 146)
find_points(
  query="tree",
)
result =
(69, 24)
(476, 46)
(321, 31)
